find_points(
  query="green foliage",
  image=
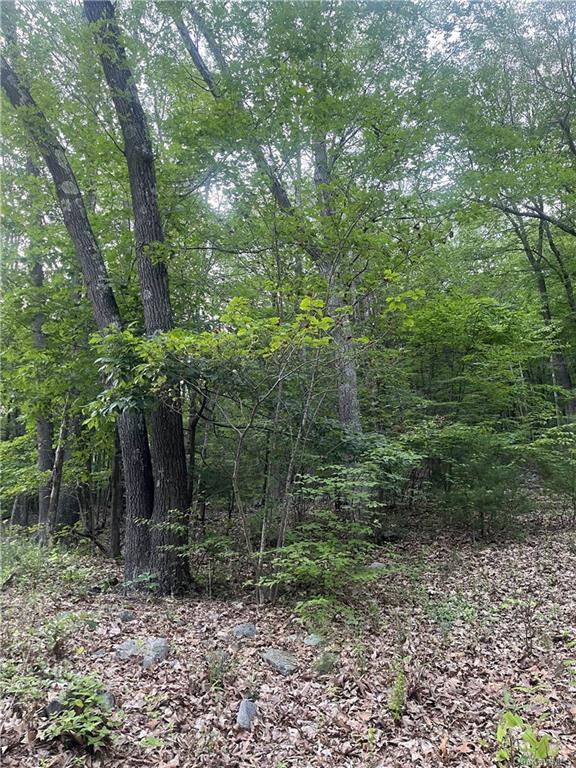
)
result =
(455, 608)
(219, 665)
(360, 489)
(324, 557)
(26, 684)
(48, 567)
(475, 474)
(520, 744)
(57, 631)
(211, 556)
(397, 693)
(85, 717)
(553, 453)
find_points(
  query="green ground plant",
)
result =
(85, 717)
(520, 744)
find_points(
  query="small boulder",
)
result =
(54, 707)
(127, 615)
(325, 663)
(156, 650)
(108, 700)
(129, 648)
(244, 630)
(313, 640)
(376, 566)
(246, 714)
(281, 661)
(389, 536)
(152, 650)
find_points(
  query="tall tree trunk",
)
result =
(116, 498)
(44, 429)
(56, 478)
(194, 416)
(345, 363)
(564, 274)
(170, 527)
(559, 368)
(346, 379)
(131, 424)
(561, 372)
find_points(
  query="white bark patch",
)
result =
(69, 188)
(61, 158)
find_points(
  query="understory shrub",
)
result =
(553, 454)
(520, 744)
(475, 476)
(86, 715)
(321, 558)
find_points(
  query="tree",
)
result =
(167, 435)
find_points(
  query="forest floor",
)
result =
(476, 629)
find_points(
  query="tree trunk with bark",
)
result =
(48, 532)
(116, 499)
(169, 532)
(44, 429)
(558, 365)
(131, 425)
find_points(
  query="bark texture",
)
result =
(44, 429)
(132, 428)
(167, 432)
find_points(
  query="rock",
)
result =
(313, 640)
(129, 648)
(108, 700)
(54, 707)
(127, 615)
(281, 661)
(388, 536)
(156, 650)
(152, 650)
(325, 663)
(244, 630)
(246, 714)
(376, 566)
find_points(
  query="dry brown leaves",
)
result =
(456, 615)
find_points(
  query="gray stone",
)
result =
(129, 648)
(156, 650)
(313, 640)
(246, 714)
(152, 650)
(108, 700)
(376, 566)
(281, 661)
(54, 707)
(127, 615)
(244, 630)
(325, 663)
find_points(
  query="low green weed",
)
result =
(397, 694)
(447, 612)
(85, 718)
(520, 745)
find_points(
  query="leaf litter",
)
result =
(474, 629)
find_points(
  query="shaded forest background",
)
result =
(285, 280)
